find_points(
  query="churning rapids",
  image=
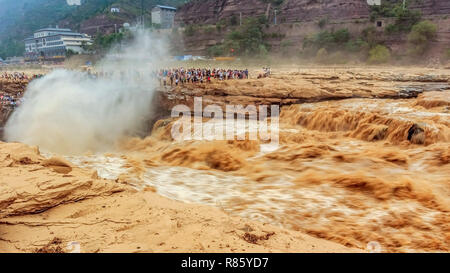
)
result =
(351, 171)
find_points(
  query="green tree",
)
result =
(247, 39)
(370, 36)
(103, 43)
(221, 25)
(189, 31)
(420, 37)
(341, 36)
(328, 40)
(322, 22)
(405, 18)
(379, 54)
(70, 53)
(357, 45)
(216, 50)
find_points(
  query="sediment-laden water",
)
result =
(352, 171)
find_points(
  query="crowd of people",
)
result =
(9, 100)
(176, 76)
(266, 73)
(18, 76)
(14, 76)
(166, 77)
(9, 97)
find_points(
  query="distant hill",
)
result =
(20, 18)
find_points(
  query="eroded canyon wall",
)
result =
(209, 12)
(297, 19)
(290, 11)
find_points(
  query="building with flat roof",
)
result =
(53, 43)
(163, 16)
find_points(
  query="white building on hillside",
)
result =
(163, 16)
(53, 43)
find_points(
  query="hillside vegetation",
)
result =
(329, 44)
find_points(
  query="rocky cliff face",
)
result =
(310, 10)
(432, 7)
(101, 23)
(290, 11)
(211, 11)
(297, 19)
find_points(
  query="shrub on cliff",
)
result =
(209, 29)
(322, 55)
(189, 30)
(383, 10)
(338, 58)
(274, 2)
(391, 29)
(341, 36)
(102, 43)
(221, 25)
(340, 42)
(328, 40)
(247, 39)
(379, 54)
(420, 37)
(405, 18)
(322, 39)
(447, 54)
(322, 22)
(358, 45)
(371, 36)
(216, 50)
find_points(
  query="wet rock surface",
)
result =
(31, 183)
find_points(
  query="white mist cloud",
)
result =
(73, 2)
(69, 112)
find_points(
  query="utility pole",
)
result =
(276, 17)
(142, 14)
(240, 18)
